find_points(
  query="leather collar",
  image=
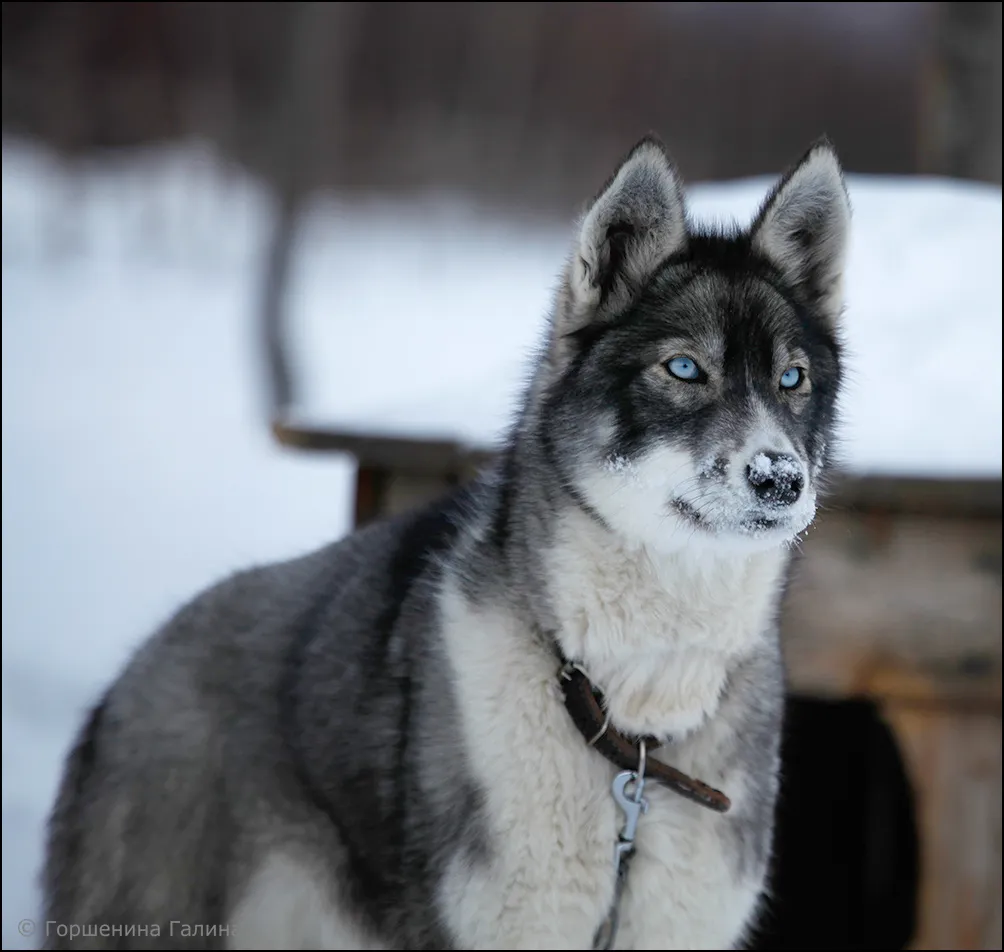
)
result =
(584, 704)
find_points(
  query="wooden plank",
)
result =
(905, 606)
(428, 457)
(910, 494)
(954, 762)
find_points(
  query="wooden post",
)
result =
(953, 757)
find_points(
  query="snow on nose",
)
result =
(775, 478)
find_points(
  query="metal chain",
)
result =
(633, 804)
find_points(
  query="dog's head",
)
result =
(691, 375)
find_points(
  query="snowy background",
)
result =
(137, 466)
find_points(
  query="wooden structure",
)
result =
(898, 600)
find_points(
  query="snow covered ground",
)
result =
(136, 464)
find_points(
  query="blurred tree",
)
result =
(963, 128)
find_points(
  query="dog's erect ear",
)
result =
(803, 229)
(637, 220)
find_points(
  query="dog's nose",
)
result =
(776, 478)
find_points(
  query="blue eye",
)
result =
(792, 378)
(684, 367)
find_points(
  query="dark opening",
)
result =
(845, 863)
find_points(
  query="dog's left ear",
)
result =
(803, 229)
(637, 220)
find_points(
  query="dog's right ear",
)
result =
(803, 229)
(637, 220)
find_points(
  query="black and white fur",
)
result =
(367, 747)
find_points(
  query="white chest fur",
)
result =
(658, 633)
(661, 653)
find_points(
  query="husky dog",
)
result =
(374, 746)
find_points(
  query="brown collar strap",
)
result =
(584, 705)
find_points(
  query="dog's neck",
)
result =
(657, 632)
